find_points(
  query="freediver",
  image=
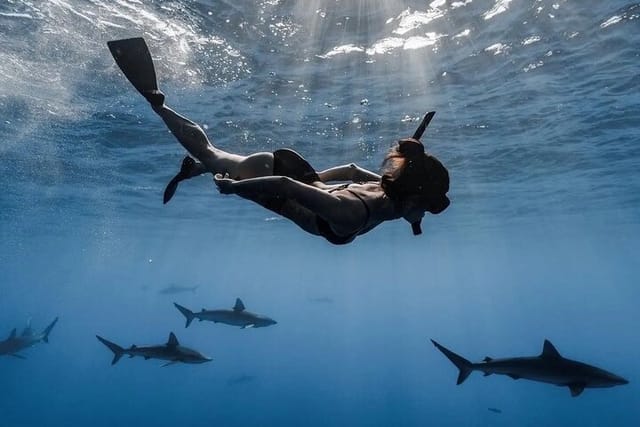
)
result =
(412, 181)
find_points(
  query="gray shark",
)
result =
(549, 367)
(240, 379)
(14, 343)
(237, 316)
(171, 351)
(177, 289)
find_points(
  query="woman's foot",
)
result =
(155, 97)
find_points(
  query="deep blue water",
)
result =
(538, 121)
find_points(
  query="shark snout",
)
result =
(266, 321)
(622, 381)
(613, 380)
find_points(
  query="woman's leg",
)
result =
(195, 141)
(135, 61)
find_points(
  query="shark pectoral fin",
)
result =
(250, 325)
(576, 389)
(169, 363)
(515, 377)
(18, 356)
(487, 359)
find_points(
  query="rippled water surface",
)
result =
(538, 112)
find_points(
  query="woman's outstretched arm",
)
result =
(350, 172)
(343, 213)
(282, 187)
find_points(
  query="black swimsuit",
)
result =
(288, 163)
(327, 232)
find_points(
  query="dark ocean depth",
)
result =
(538, 123)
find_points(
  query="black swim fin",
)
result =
(186, 171)
(134, 59)
(423, 125)
(171, 189)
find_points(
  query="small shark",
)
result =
(495, 410)
(549, 367)
(236, 316)
(14, 343)
(177, 289)
(171, 351)
(240, 379)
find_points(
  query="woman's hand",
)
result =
(224, 183)
(359, 174)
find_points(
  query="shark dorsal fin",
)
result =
(27, 331)
(549, 351)
(13, 333)
(239, 305)
(173, 341)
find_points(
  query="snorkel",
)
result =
(422, 175)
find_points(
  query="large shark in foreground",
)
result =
(549, 367)
(237, 316)
(171, 351)
(14, 343)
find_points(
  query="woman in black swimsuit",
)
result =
(412, 181)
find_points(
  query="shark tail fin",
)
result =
(48, 329)
(461, 363)
(188, 314)
(118, 351)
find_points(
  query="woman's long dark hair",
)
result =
(408, 170)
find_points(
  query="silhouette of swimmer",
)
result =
(412, 182)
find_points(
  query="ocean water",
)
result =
(538, 122)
